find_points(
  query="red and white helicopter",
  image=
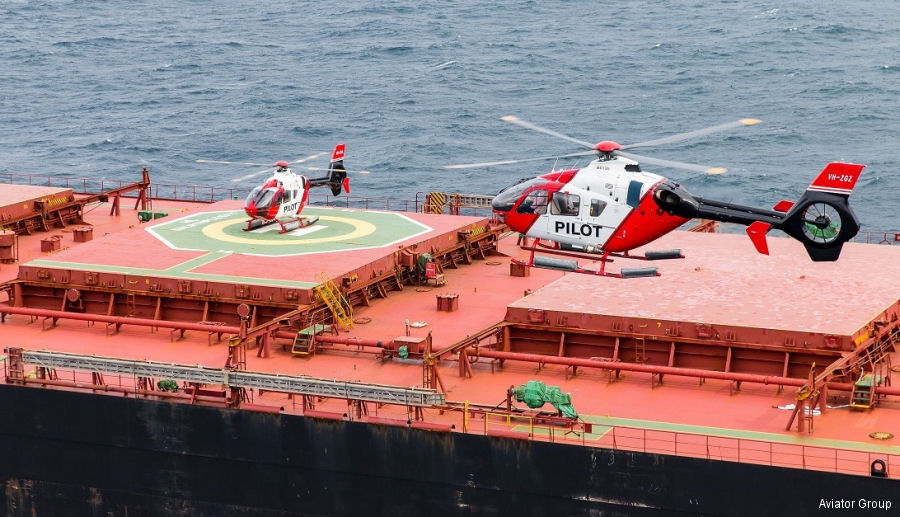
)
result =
(282, 197)
(611, 206)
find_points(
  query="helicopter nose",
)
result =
(501, 204)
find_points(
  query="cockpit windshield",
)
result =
(506, 199)
(252, 195)
(263, 198)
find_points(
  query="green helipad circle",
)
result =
(232, 230)
(336, 230)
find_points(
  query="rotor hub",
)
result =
(822, 221)
(607, 146)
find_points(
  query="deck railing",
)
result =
(209, 194)
(878, 237)
(695, 445)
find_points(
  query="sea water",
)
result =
(99, 89)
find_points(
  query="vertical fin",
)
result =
(338, 153)
(837, 178)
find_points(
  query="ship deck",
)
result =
(208, 244)
(16, 200)
(721, 282)
(725, 285)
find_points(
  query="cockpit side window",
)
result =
(597, 207)
(534, 203)
(565, 204)
(508, 197)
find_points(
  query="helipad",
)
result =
(337, 230)
(210, 249)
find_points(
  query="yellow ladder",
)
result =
(334, 298)
(863, 394)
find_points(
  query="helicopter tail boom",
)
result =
(822, 218)
(337, 176)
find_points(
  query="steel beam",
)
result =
(303, 385)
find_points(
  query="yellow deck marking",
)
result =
(361, 229)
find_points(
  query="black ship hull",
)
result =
(69, 453)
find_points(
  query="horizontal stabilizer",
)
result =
(783, 206)
(757, 232)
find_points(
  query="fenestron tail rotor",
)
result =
(821, 223)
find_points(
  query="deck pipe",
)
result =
(481, 352)
(669, 370)
(348, 340)
(177, 325)
(119, 320)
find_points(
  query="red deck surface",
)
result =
(135, 247)
(18, 200)
(723, 281)
(131, 247)
(120, 227)
(632, 403)
(16, 194)
(306, 267)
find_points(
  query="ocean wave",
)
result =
(266, 79)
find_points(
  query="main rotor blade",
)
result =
(677, 165)
(345, 170)
(253, 175)
(523, 160)
(528, 125)
(270, 168)
(694, 134)
(308, 158)
(223, 162)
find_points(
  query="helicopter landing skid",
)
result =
(572, 266)
(296, 223)
(602, 255)
(574, 254)
(253, 224)
(286, 225)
